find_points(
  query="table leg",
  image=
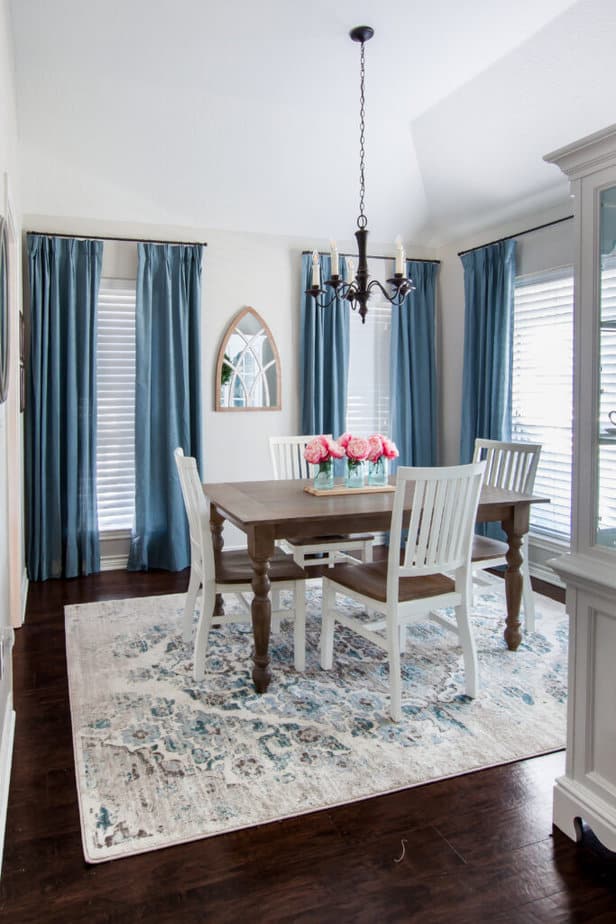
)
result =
(261, 550)
(216, 525)
(515, 530)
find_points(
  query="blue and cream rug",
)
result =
(161, 760)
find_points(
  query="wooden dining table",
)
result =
(267, 511)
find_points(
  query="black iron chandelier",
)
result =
(357, 292)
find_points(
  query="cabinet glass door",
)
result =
(606, 494)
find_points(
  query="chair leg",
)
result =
(367, 551)
(275, 595)
(299, 628)
(189, 605)
(208, 599)
(469, 651)
(327, 625)
(528, 597)
(402, 637)
(395, 678)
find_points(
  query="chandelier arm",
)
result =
(340, 290)
(402, 288)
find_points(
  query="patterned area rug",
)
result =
(161, 760)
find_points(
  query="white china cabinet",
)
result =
(587, 791)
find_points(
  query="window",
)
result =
(115, 451)
(368, 392)
(606, 534)
(542, 391)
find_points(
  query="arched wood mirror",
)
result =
(4, 311)
(248, 367)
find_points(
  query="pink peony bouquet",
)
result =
(356, 448)
(381, 446)
(322, 449)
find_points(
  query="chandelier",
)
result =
(357, 292)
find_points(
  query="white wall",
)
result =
(8, 165)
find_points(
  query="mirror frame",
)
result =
(5, 352)
(233, 324)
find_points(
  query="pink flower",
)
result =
(321, 449)
(344, 440)
(334, 449)
(376, 447)
(357, 448)
(390, 450)
(315, 451)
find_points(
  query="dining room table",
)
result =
(269, 511)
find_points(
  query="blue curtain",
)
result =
(413, 369)
(489, 274)
(167, 399)
(60, 418)
(324, 356)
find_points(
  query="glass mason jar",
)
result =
(324, 476)
(377, 471)
(354, 474)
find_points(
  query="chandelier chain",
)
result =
(362, 221)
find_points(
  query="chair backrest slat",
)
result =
(511, 466)
(197, 511)
(443, 511)
(287, 455)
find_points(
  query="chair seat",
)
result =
(235, 567)
(485, 548)
(370, 580)
(330, 540)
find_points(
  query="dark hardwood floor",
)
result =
(476, 848)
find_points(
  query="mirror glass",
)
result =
(4, 312)
(248, 367)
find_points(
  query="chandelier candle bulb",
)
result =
(334, 256)
(316, 271)
(399, 256)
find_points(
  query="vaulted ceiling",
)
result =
(243, 115)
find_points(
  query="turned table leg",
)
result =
(261, 549)
(515, 530)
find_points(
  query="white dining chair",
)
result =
(287, 456)
(434, 571)
(229, 572)
(511, 466)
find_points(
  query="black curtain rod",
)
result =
(510, 237)
(127, 240)
(353, 256)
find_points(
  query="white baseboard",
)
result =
(24, 595)
(114, 562)
(546, 574)
(6, 757)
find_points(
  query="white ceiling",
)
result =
(243, 115)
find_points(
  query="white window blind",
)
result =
(368, 398)
(607, 403)
(115, 452)
(542, 391)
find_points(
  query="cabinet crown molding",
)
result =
(589, 154)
